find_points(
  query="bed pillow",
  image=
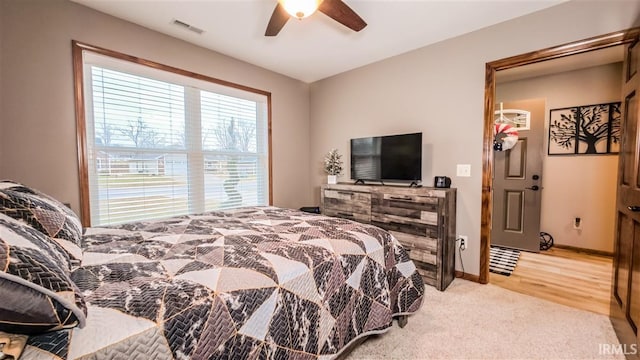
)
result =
(44, 214)
(36, 291)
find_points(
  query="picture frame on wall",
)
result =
(585, 130)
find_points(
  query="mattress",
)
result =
(249, 283)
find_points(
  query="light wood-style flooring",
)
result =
(563, 276)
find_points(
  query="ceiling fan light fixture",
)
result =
(300, 8)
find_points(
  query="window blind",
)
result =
(161, 144)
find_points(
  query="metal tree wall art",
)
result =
(589, 129)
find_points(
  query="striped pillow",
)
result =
(36, 291)
(44, 214)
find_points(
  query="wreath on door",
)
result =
(505, 137)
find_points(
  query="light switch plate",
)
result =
(464, 170)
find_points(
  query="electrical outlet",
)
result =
(577, 223)
(464, 241)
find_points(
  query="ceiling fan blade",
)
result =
(277, 21)
(342, 13)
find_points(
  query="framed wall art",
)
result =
(585, 130)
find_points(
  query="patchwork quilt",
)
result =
(250, 283)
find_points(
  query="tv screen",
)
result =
(392, 158)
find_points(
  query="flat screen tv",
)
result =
(387, 158)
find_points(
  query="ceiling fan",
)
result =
(335, 9)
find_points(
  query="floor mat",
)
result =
(503, 261)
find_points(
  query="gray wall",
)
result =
(37, 117)
(439, 90)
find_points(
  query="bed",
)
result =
(249, 283)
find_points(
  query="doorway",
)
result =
(572, 189)
(567, 186)
(623, 312)
(516, 62)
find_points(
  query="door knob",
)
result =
(634, 208)
(534, 188)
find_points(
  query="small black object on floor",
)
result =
(311, 209)
(546, 241)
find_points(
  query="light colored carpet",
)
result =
(473, 321)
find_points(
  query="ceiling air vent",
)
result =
(188, 27)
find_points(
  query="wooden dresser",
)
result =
(422, 219)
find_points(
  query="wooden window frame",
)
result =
(78, 73)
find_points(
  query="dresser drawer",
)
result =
(406, 225)
(417, 202)
(406, 209)
(346, 214)
(422, 249)
(429, 273)
(416, 242)
(347, 202)
(423, 252)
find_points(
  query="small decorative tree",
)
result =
(333, 165)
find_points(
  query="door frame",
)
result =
(568, 49)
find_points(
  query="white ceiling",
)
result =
(317, 47)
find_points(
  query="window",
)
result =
(159, 142)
